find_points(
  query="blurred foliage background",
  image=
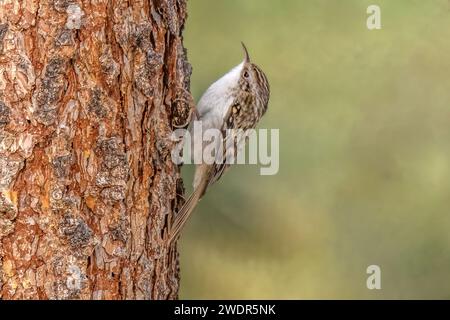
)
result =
(364, 119)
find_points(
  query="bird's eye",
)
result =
(246, 74)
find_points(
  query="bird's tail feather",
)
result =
(183, 215)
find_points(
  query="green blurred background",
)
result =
(364, 119)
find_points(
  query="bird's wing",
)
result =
(220, 168)
(233, 142)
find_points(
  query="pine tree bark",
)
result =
(90, 92)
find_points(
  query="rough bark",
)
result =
(90, 91)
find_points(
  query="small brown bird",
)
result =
(238, 100)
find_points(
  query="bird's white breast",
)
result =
(214, 103)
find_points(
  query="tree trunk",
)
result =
(90, 92)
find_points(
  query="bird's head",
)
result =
(253, 79)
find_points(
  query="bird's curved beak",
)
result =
(247, 57)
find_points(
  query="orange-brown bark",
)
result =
(89, 94)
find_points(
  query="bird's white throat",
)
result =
(218, 97)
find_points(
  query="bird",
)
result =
(236, 101)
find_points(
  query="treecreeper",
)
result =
(234, 103)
